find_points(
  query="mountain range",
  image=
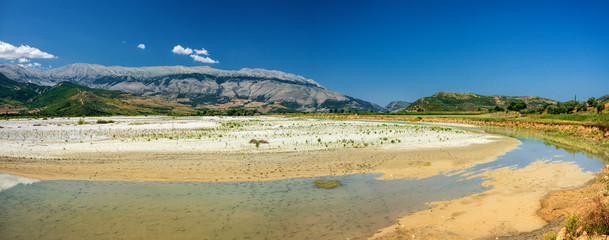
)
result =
(89, 89)
(199, 87)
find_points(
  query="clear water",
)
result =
(283, 209)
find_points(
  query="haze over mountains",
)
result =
(198, 86)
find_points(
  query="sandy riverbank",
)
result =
(510, 208)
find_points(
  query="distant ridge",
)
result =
(197, 86)
(396, 106)
(69, 99)
(446, 101)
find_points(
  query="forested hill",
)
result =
(446, 101)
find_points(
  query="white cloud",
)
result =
(198, 56)
(31, 65)
(180, 50)
(8, 51)
(23, 60)
(203, 59)
(201, 52)
(141, 46)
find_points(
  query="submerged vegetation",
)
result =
(327, 184)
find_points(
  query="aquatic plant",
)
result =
(327, 184)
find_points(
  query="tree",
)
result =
(571, 105)
(592, 102)
(517, 106)
(496, 109)
(583, 107)
(600, 107)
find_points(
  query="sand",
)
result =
(509, 208)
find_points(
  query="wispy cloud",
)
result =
(202, 51)
(203, 59)
(180, 50)
(8, 51)
(23, 60)
(141, 46)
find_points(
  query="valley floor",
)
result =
(267, 148)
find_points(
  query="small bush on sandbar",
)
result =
(258, 141)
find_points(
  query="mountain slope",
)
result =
(444, 101)
(15, 94)
(69, 99)
(603, 98)
(396, 106)
(198, 86)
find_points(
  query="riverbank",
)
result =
(508, 209)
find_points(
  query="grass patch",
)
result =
(101, 121)
(597, 220)
(549, 236)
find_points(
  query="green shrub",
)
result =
(571, 224)
(549, 236)
(101, 121)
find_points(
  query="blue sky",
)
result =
(374, 50)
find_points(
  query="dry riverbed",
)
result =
(221, 149)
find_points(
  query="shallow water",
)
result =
(292, 208)
(282, 209)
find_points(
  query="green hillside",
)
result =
(445, 101)
(69, 99)
(15, 94)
